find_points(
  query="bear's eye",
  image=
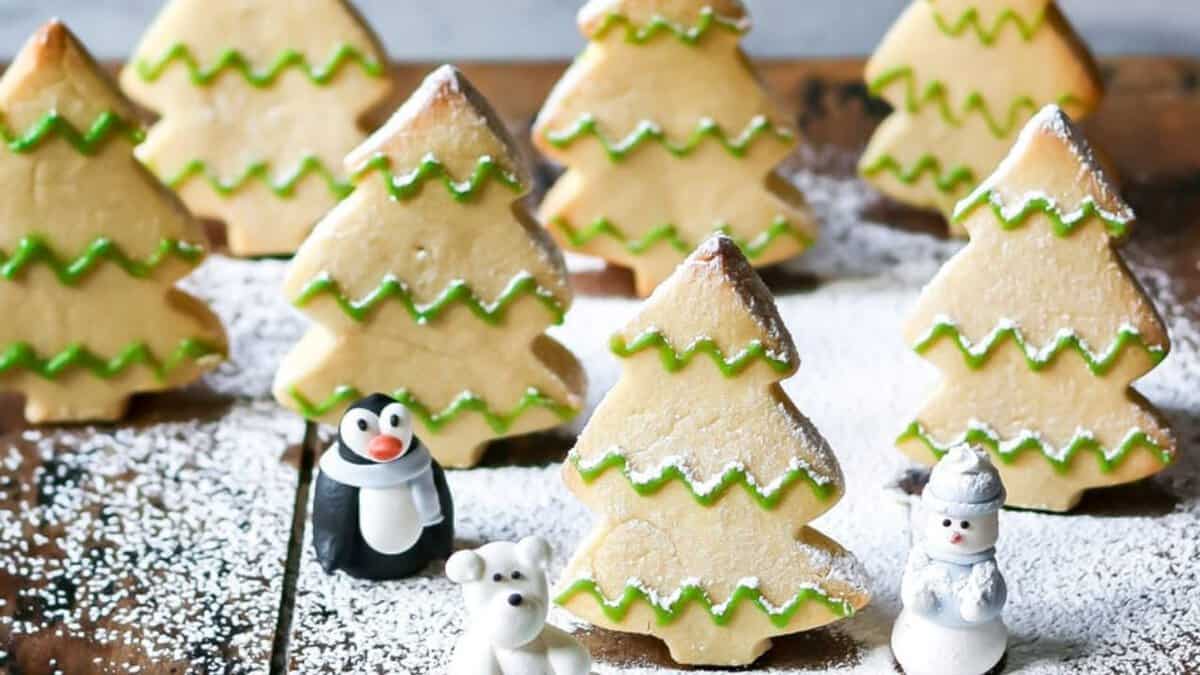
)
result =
(497, 577)
(965, 525)
(517, 576)
(946, 523)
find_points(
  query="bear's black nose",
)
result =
(515, 599)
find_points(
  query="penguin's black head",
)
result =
(375, 430)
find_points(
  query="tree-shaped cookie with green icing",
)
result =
(1040, 328)
(667, 135)
(703, 475)
(260, 101)
(91, 245)
(432, 282)
(963, 77)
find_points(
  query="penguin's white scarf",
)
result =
(415, 463)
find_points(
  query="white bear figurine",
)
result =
(508, 600)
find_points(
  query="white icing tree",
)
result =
(668, 135)
(964, 76)
(433, 283)
(260, 101)
(90, 246)
(1040, 328)
(703, 475)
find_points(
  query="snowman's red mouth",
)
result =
(385, 448)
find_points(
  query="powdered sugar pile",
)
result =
(1109, 589)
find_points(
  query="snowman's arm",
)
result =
(425, 498)
(914, 589)
(473, 656)
(565, 654)
(989, 593)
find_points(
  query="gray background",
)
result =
(539, 29)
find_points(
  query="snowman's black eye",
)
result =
(497, 577)
(362, 425)
(946, 523)
(966, 525)
(517, 576)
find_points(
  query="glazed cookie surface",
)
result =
(91, 246)
(259, 101)
(703, 475)
(1040, 328)
(964, 77)
(433, 283)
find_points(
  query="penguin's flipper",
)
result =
(335, 522)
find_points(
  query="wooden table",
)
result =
(173, 541)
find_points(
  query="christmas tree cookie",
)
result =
(964, 76)
(668, 135)
(432, 282)
(260, 101)
(90, 246)
(704, 475)
(1040, 329)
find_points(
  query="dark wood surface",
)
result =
(259, 458)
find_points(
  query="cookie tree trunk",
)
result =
(1040, 328)
(90, 246)
(431, 282)
(667, 135)
(259, 102)
(703, 475)
(963, 77)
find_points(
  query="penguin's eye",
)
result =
(357, 429)
(946, 523)
(396, 421)
(517, 576)
(965, 525)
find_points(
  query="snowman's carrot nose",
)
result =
(956, 538)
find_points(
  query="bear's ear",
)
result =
(533, 551)
(464, 567)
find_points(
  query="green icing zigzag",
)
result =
(1037, 359)
(401, 188)
(669, 234)
(260, 172)
(1064, 224)
(647, 487)
(457, 292)
(935, 93)
(22, 356)
(970, 20)
(52, 124)
(946, 182)
(587, 125)
(1008, 451)
(674, 361)
(500, 422)
(659, 25)
(617, 610)
(33, 249)
(234, 60)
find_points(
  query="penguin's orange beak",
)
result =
(384, 448)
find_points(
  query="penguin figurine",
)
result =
(382, 508)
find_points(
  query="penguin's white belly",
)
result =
(388, 519)
(923, 647)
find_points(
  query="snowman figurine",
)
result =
(952, 591)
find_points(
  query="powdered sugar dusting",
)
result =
(162, 545)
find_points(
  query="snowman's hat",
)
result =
(964, 484)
